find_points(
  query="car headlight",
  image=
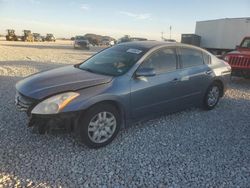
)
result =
(54, 104)
(226, 58)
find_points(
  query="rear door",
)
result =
(195, 75)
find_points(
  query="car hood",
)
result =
(69, 78)
(240, 52)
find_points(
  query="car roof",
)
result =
(152, 44)
(142, 44)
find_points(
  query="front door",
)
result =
(159, 93)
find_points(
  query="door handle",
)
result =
(209, 72)
(175, 80)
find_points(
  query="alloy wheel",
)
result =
(213, 96)
(102, 127)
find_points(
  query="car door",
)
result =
(195, 75)
(158, 93)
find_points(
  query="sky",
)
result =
(137, 18)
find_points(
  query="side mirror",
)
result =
(146, 72)
(237, 47)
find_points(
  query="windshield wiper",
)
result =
(87, 69)
(92, 71)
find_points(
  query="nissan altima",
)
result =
(125, 83)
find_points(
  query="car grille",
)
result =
(239, 62)
(23, 103)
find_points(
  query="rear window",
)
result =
(163, 60)
(190, 57)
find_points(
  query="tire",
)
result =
(94, 130)
(212, 96)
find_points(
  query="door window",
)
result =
(190, 57)
(162, 61)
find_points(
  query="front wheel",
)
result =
(212, 96)
(99, 125)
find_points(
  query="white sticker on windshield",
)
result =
(134, 51)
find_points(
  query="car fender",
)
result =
(94, 95)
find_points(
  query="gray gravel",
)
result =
(193, 148)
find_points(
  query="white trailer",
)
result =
(222, 35)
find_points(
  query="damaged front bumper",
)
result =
(42, 123)
(55, 122)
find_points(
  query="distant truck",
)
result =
(239, 59)
(37, 37)
(50, 38)
(11, 36)
(223, 35)
(28, 36)
(127, 38)
(191, 39)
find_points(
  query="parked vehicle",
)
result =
(191, 39)
(81, 42)
(27, 37)
(121, 84)
(169, 40)
(37, 37)
(112, 43)
(11, 36)
(239, 59)
(221, 36)
(50, 38)
(127, 38)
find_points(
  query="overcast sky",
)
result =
(145, 18)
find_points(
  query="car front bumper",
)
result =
(62, 121)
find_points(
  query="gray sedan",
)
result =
(125, 83)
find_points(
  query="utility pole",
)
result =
(170, 31)
(162, 38)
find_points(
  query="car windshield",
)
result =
(113, 61)
(246, 43)
(80, 38)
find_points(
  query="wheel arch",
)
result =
(221, 85)
(120, 108)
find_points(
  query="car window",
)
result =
(207, 58)
(163, 60)
(190, 57)
(246, 43)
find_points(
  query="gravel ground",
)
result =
(193, 148)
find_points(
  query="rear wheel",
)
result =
(99, 125)
(212, 96)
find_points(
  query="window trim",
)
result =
(209, 59)
(174, 48)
